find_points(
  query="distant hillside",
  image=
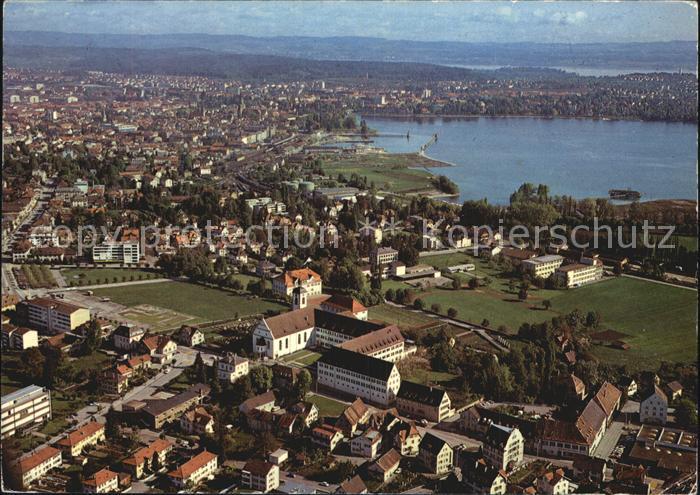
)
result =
(194, 61)
(641, 56)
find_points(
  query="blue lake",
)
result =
(576, 157)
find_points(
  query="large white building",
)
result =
(359, 375)
(24, 408)
(504, 448)
(654, 407)
(202, 466)
(313, 326)
(542, 266)
(306, 278)
(578, 274)
(116, 252)
(53, 316)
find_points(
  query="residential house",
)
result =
(553, 483)
(262, 402)
(628, 385)
(143, 458)
(353, 485)
(231, 367)
(103, 481)
(367, 444)
(88, 435)
(674, 389)
(307, 412)
(406, 438)
(202, 466)
(197, 421)
(157, 412)
(504, 448)
(355, 415)
(589, 469)
(161, 348)
(33, 466)
(653, 408)
(260, 475)
(385, 467)
(127, 337)
(435, 454)
(479, 477)
(346, 305)
(327, 437)
(190, 336)
(420, 401)
(385, 343)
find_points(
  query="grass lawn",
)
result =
(97, 276)
(97, 360)
(426, 376)
(62, 407)
(389, 172)
(302, 357)
(191, 299)
(398, 316)
(326, 406)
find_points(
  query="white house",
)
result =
(654, 407)
(232, 367)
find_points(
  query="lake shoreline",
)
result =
(398, 116)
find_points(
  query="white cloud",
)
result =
(504, 11)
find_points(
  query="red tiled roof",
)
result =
(186, 470)
(39, 457)
(100, 478)
(81, 433)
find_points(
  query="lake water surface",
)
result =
(581, 158)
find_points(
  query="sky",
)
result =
(562, 22)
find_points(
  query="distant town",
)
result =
(223, 286)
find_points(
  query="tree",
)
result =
(32, 364)
(390, 294)
(452, 313)
(456, 284)
(93, 337)
(473, 283)
(155, 462)
(686, 414)
(435, 308)
(418, 303)
(199, 369)
(522, 294)
(261, 379)
(485, 323)
(112, 430)
(546, 304)
(592, 319)
(303, 385)
(242, 390)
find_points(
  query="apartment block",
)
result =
(25, 408)
(52, 316)
(542, 266)
(116, 252)
(34, 466)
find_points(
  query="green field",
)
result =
(97, 276)
(398, 316)
(389, 172)
(203, 302)
(326, 406)
(660, 320)
(427, 376)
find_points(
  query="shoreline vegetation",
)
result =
(399, 116)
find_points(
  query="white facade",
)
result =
(38, 464)
(231, 368)
(577, 275)
(116, 252)
(542, 266)
(507, 455)
(654, 409)
(54, 316)
(24, 408)
(351, 382)
(367, 444)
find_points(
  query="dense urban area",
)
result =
(216, 283)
